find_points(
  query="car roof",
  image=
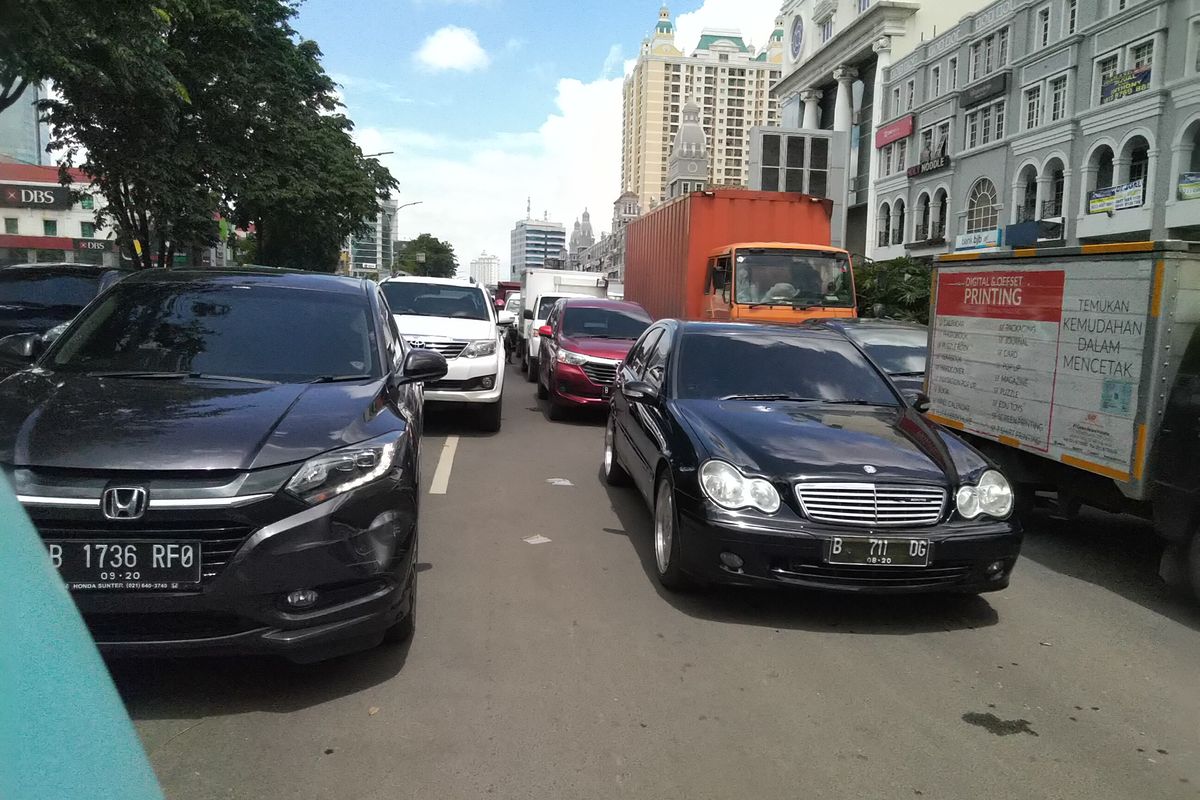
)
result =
(295, 279)
(603, 302)
(463, 282)
(735, 328)
(63, 267)
(867, 324)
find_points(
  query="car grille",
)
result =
(448, 350)
(873, 577)
(218, 541)
(600, 374)
(871, 504)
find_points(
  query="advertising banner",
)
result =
(43, 196)
(1115, 198)
(1189, 186)
(894, 131)
(1124, 84)
(980, 240)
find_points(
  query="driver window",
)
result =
(637, 357)
(656, 361)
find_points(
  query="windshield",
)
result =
(604, 323)
(545, 304)
(21, 288)
(436, 300)
(721, 364)
(243, 331)
(897, 352)
(513, 303)
(793, 278)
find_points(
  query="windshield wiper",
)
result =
(339, 378)
(771, 303)
(177, 376)
(793, 398)
(907, 374)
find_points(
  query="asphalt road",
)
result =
(559, 670)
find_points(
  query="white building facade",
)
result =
(836, 55)
(370, 254)
(537, 243)
(486, 269)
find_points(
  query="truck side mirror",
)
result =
(527, 314)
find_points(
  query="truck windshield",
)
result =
(793, 278)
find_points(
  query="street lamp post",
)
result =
(420, 256)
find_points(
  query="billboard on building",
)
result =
(1115, 198)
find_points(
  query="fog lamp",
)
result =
(732, 560)
(995, 568)
(488, 382)
(302, 598)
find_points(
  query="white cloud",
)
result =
(473, 190)
(613, 62)
(754, 18)
(452, 48)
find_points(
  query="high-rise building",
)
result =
(537, 243)
(486, 269)
(725, 77)
(23, 137)
(370, 254)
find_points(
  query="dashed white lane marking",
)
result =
(441, 476)
(559, 482)
(537, 538)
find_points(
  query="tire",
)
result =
(1193, 566)
(542, 391)
(489, 417)
(667, 548)
(614, 473)
(531, 369)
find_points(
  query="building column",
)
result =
(810, 98)
(1045, 191)
(843, 111)
(883, 55)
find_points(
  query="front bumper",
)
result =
(572, 387)
(462, 383)
(785, 552)
(358, 551)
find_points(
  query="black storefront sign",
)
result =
(93, 244)
(929, 165)
(44, 196)
(985, 90)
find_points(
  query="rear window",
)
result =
(246, 331)
(46, 289)
(900, 352)
(436, 300)
(721, 364)
(604, 323)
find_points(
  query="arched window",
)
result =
(983, 212)
(1101, 163)
(941, 207)
(1052, 206)
(1026, 197)
(898, 223)
(922, 231)
(885, 225)
(1137, 154)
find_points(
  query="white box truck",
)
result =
(540, 290)
(1078, 371)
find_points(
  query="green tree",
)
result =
(427, 255)
(897, 289)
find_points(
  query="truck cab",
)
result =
(781, 282)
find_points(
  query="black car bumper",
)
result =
(784, 552)
(357, 551)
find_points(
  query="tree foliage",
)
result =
(234, 115)
(896, 289)
(427, 255)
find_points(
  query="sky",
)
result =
(484, 103)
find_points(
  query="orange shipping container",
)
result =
(701, 257)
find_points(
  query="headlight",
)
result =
(480, 347)
(727, 487)
(339, 471)
(992, 496)
(571, 357)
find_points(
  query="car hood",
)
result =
(413, 327)
(615, 349)
(790, 440)
(77, 422)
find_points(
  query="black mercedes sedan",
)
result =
(226, 462)
(776, 455)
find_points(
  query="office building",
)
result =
(728, 80)
(42, 222)
(23, 136)
(836, 53)
(486, 269)
(537, 243)
(1072, 121)
(370, 254)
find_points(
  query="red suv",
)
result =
(586, 340)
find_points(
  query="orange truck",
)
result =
(732, 254)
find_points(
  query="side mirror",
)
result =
(421, 366)
(546, 331)
(639, 391)
(527, 313)
(918, 400)
(22, 346)
(506, 318)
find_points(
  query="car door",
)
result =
(548, 349)
(410, 397)
(648, 431)
(627, 426)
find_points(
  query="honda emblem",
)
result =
(124, 502)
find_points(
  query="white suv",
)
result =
(455, 318)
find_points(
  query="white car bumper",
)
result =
(463, 381)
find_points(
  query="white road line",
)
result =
(441, 476)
